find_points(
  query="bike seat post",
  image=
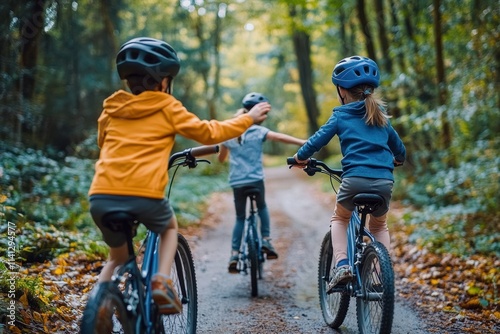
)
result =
(252, 194)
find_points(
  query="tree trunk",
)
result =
(212, 100)
(397, 36)
(109, 35)
(382, 36)
(345, 43)
(32, 24)
(441, 81)
(302, 48)
(365, 28)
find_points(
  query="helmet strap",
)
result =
(340, 95)
(166, 85)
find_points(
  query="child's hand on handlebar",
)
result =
(397, 163)
(259, 112)
(300, 163)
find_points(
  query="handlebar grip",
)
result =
(291, 161)
(204, 150)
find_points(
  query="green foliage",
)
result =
(46, 200)
(38, 242)
(46, 190)
(454, 230)
(30, 287)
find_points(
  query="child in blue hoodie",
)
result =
(370, 147)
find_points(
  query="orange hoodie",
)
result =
(136, 134)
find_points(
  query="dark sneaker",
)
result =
(164, 295)
(233, 264)
(340, 275)
(269, 249)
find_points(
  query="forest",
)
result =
(440, 76)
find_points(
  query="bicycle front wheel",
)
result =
(253, 257)
(375, 305)
(334, 306)
(184, 278)
(105, 312)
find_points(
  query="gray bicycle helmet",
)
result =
(147, 56)
(251, 99)
(356, 70)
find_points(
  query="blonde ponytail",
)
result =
(375, 106)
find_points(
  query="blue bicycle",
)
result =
(125, 304)
(373, 274)
(250, 254)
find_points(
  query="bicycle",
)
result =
(250, 254)
(125, 304)
(373, 274)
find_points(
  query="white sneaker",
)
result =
(340, 275)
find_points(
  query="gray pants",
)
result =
(155, 214)
(352, 186)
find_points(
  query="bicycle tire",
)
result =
(334, 306)
(183, 274)
(105, 312)
(375, 306)
(253, 257)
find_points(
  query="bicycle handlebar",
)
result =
(204, 150)
(190, 154)
(314, 166)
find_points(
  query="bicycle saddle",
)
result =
(117, 220)
(367, 203)
(252, 191)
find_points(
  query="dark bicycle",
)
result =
(125, 304)
(373, 275)
(250, 255)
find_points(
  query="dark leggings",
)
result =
(240, 202)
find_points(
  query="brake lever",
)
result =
(192, 163)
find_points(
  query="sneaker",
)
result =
(164, 295)
(340, 275)
(269, 249)
(233, 264)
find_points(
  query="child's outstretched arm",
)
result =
(223, 153)
(287, 139)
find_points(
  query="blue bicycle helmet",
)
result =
(356, 70)
(251, 99)
(147, 56)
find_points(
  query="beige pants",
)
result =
(338, 228)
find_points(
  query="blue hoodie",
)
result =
(367, 150)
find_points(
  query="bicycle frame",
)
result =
(356, 244)
(373, 275)
(250, 222)
(141, 278)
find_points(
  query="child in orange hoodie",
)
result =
(136, 133)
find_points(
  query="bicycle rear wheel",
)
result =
(253, 257)
(184, 278)
(105, 312)
(375, 306)
(334, 306)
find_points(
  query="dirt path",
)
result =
(288, 300)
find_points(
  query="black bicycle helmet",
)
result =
(251, 99)
(354, 71)
(147, 56)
